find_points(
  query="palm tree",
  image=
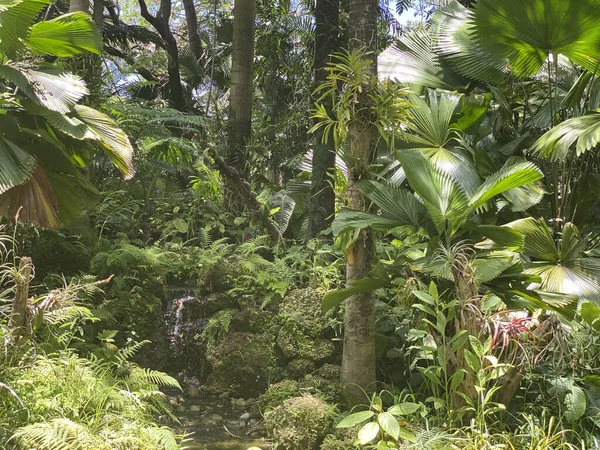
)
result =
(46, 135)
(358, 359)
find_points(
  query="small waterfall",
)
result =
(184, 320)
(176, 320)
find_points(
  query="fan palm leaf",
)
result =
(562, 267)
(528, 32)
(556, 144)
(67, 35)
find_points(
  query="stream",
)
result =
(209, 422)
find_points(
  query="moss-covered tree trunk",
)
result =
(358, 361)
(322, 190)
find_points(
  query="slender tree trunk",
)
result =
(358, 360)
(191, 19)
(79, 6)
(18, 322)
(239, 126)
(161, 23)
(99, 14)
(322, 190)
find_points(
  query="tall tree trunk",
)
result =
(322, 190)
(79, 6)
(191, 19)
(239, 126)
(99, 14)
(161, 23)
(358, 360)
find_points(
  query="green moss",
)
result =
(295, 343)
(303, 306)
(276, 396)
(327, 390)
(301, 423)
(242, 364)
(341, 439)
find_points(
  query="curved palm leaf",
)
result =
(16, 18)
(511, 176)
(67, 35)
(36, 198)
(527, 32)
(455, 32)
(57, 91)
(115, 141)
(563, 268)
(415, 62)
(17, 165)
(556, 143)
(435, 133)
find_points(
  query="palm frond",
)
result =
(527, 33)
(67, 35)
(55, 90)
(115, 141)
(556, 144)
(17, 165)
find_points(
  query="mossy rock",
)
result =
(342, 439)
(301, 423)
(304, 307)
(242, 365)
(297, 368)
(276, 395)
(216, 302)
(331, 372)
(295, 343)
(252, 319)
(327, 390)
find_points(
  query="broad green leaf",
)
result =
(336, 297)
(511, 176)
(505, 237)
(456, 379)
(355, 419)
(404, 408)
(67, 35)
(472, 361)
(477, 346)
(575, 404)
(368, 433)
(455, 32)
(389, 424)
(592, 380)
(407, 435)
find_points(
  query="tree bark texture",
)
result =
(358, 359)
(322, 190)
(161, 23)
(79, 6)
(239, 126)
(18, 322)
(191, 19)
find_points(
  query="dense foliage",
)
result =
(300, 225)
